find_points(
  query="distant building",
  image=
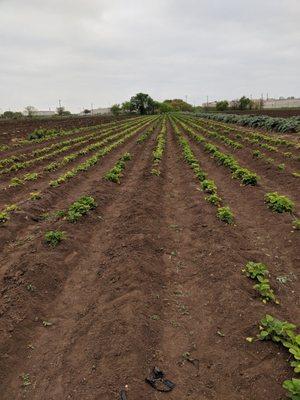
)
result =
(97, 111)
(38, 113)
(289, 102)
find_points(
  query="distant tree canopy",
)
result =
(12, 114)
(142, 103)
(222, 105)
(62, 111)
(179, 105)
(30, 110)
(245, 103)
(116, 109)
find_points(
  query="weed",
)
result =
(53, 238)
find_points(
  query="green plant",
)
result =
(296, 224)
(279, 203)
(293, 388)
(115, 173)
(15, 182)
(281, 167)
(3, 217)
(30, 177)
(53, 238)
(282, 332)
(225, 214)
(80, 207)
(26, 380)
(214, 199)
(209, 186)
(35, 196)
(259, 272)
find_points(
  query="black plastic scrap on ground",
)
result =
(158, 382)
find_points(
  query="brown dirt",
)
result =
(149, 275)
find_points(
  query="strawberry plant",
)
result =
(225, 214)
(279, 203)
(80, 207)
(53, 238)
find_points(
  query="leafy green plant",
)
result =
(35, 196)
(30, 177)
(209, 186)
(279, 203)
(3, 217)
(115, 173)
(296, 224)
(80, 207)
(225, 215)
(281, 167)
(214, 199)
(15, 182)
(282, 332)
(293, 388)
(53, 238)
(259, 272)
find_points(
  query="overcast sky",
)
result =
(105, 51)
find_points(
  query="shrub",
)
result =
(279, 203)
(80, 207)
(225, 214)
(53, 238)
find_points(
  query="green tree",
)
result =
(163, 108)
(179, 105)
(142, 103)
(30, 110)
(115, 109)
(245, 103)
(126, 107)
(222, 105)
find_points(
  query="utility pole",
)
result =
(186, 98)
(92, 110)
(59, 103)
(206, 101)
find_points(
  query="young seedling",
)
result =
(35, 196)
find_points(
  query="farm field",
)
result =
(132, 243)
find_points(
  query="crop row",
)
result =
(58, 133)
(115, 173)
(98, 155)
(159, 148)
(15, 158)
(246, 176)
(215, 135)
(257, 121)
(256, 137)
(71, 157)
(208, 186)
(255, 153)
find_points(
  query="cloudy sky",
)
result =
(105, 51)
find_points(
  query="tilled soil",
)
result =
(149, 278)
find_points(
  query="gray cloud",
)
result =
(104, 51)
